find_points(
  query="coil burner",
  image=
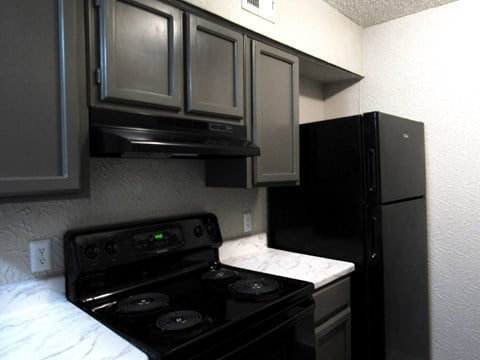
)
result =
(256, 288)
(179, 320)
(220, 276)
(180, 325)
(143, 302)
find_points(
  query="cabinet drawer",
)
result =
(331, 299)
(333, 337)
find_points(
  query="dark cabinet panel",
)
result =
(275, 114)
(332, 338)
(214, 63)
(141, 53)
(41, 79)
(333, 321)
(271, 90)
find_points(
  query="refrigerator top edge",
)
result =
(319, 122)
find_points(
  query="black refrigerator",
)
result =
(362, 199)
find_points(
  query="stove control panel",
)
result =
(160, 240)
(104, 249)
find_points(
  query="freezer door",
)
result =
(401, 248)
(394, 154)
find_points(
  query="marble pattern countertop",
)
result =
(37, 322)
(252, 253)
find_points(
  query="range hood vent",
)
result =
(123, 134)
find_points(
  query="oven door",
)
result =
(286, 336)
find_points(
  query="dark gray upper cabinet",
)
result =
(271, 90)
(214, 63)
(275, 126)
(140, 53)
(42, 81)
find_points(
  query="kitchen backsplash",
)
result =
(122, 190)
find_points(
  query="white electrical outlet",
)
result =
(247, 221)
(40, 255)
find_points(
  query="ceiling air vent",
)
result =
(263, 8)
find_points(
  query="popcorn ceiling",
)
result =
(371, 12)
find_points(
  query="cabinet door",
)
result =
(332, 338)
(214, 63)
(275, 114)
(41, 65)
(140, 53)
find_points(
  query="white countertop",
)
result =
(37, 322)
(252, 253)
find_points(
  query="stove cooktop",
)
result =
(194, 306)
(161, 287)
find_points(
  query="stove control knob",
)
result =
(210, 229)
(142, 244)
(91, 252)
(111, 247)
(198, 231)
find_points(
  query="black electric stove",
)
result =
(160, 285)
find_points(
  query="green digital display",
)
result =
(158, 236)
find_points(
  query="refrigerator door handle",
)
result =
(373, 243)
(372, 173)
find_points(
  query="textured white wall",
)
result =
(122, 190)
(311, 26)
(425, 67)
(311, 105)
(342, 99)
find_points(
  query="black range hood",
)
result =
(114, 133)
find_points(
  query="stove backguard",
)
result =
(103, 259)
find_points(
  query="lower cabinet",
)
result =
(333, 321)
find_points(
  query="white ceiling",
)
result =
(371, 12)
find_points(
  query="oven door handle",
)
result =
(286, 323)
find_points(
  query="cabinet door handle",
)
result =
(372, 182)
